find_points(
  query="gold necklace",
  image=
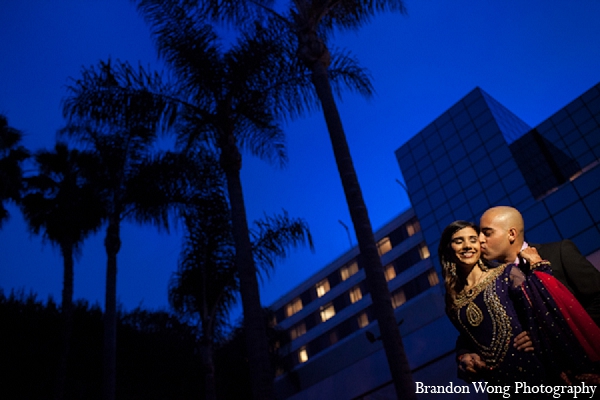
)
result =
(469, 292)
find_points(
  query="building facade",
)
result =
(475, 155)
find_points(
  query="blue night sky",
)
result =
(532, 56)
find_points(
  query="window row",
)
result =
(349, 269)
(400, 296)
(399, 265)
(328, 311)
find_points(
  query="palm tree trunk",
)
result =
(254, 322)
(112, 243)
(375, 278)
(208, 368)
(67, 320)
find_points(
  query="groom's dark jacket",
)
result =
(574, 271)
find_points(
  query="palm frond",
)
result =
(273, 236)
(118, 95)
(262, 137)
(188, 44)
(169, 182)
(12, 155)
(352, 14)
(62, 201)
(206, 283)
(346, 73)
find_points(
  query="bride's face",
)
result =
(466, 247)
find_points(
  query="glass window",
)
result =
(355, 294)
(322, 287)
(297, 331)
(390, 272)
(327, 312)
(413, 227)
(363, 319)
(348, 270)
(433, 278)
(424, 251)
(384, 245)
(398, 298)
(302, 355)
(293, 307)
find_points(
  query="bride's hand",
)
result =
(530, 254)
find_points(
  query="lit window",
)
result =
(423, 251)
(302, 355)
(390, 272)
(293, 307)
(327, 312)
(398, 299)
(349, 270)
(384, 245)
(322, 287)
(413, 227)
(363, 319)
(355, 294)
(433, 278)
(297, 331)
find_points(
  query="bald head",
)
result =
(502, 233)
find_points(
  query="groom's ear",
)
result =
(512, 235)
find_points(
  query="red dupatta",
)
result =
(582, 325)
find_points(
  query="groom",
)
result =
(502, 239)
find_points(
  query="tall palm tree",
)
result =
(312, 23)
(232, 101)
(206, 285)
(306, 27)
(12, 155)
(136, 181)
(61, 203)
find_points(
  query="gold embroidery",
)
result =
(494, 353)
(474, 314)
(464, 296)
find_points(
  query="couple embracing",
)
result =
(517, 322)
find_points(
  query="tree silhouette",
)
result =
(157, 352)
(305, 27)
(234, 101)
(12, 155)
(206, 285)
(61, 203)
(137, 181)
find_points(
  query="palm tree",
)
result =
(312, 22)
(12, 156)
(233, 101)
(136, 181)
(206, 285)
(61, 203)
(305, 28)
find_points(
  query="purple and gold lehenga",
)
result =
(506, 303)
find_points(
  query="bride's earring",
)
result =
(482, 265)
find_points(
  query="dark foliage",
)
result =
(156, 353)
